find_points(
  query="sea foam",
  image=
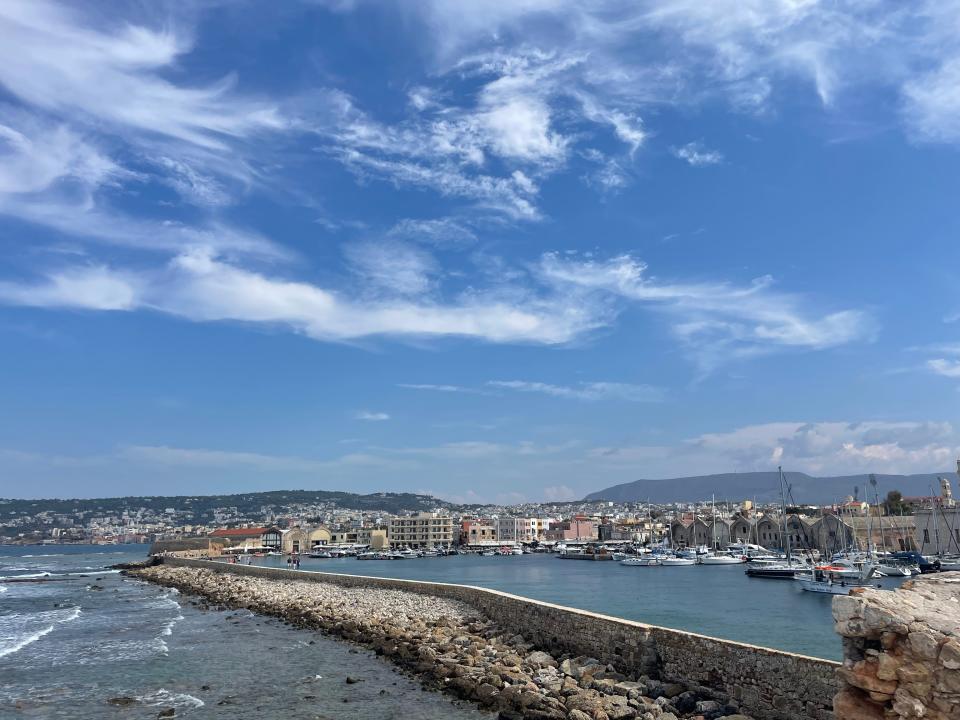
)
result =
(14, 636)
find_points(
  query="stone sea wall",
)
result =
(765, 684)
(901, 651)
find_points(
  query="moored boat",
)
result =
(722, 559)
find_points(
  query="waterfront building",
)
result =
(479, 531)
(742, 529)
(424, 530)
(373, 537)
(831, 534)
(695, 531)
(250, 537)
(517, 529)
(578, 528)
(305, 539)
(894, 533)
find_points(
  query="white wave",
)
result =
(31, 575)
(87, 572)
(3, 588)
(168, 628)
(176, 700)
(12, 635)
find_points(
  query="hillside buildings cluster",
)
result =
(930, 525)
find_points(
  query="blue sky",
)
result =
(491, 251)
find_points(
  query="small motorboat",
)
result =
(823, 580)
(641, 561)
(677, 561)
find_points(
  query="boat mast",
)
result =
(876, 497)
(713, 511)
(936, 524)
(783, 509)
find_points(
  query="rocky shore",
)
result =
(451, 647)
(901, 651)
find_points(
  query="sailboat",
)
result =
(716, 557)
(789, 569)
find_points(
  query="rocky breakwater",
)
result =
(451, 647)
(901, 651)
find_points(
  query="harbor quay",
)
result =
(523, 658)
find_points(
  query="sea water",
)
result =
(85, 635)
(716, 600)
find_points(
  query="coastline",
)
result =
(452, 647)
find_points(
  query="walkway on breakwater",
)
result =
(524, 658)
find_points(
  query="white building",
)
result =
(424, 530)
(519, 530)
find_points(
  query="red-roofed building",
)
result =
(268, 537)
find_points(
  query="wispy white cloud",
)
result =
(559, 493)
(562, 300)
(52, 58)
(947, 368)
(818, 448)
(90, 288)
(371, 416)
(717, 320)
(694, 153)
(586, 390)
(558, 472)
(740, 50)
(97, 116)
(392, 267)
(493, 148)
(441, 388)
(440, 232)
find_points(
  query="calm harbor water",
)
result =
(717, 600)
(69, 645)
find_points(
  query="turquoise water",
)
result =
(717, 600)
(70, 644)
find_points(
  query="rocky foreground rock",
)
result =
(452, 648)
(901, 651)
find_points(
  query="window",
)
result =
(926, 536)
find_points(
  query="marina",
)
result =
(761, 612)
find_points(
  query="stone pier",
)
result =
(901, 651)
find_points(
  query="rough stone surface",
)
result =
(901, 651)
(564, 659)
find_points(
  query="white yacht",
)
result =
(677, 561)
(722, 559)
(641, 561)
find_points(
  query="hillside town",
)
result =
(926, 524)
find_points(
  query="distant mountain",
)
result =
(764, 487)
